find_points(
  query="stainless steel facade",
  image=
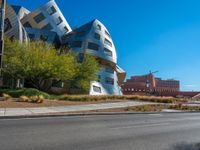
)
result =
(48, 24)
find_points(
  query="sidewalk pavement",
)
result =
(66, 109)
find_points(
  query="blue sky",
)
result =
(161, 35)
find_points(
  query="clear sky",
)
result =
(161, 35)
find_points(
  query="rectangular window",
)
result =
(77, 44)
(109, 80)
(66, 29)
(97, 36)
(40, 17)
(47, 27)
(31, 36)
(51, 10)
(106, 32)
(99, 27)
(7, 25)
(59, 20)
(107, 51)
(97, 89)
(27, 24)
(109, 69)
(93, 46)
(107, 42)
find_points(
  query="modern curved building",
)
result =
(13, 26)
(95, 39)
(47, 23)
(47, 17)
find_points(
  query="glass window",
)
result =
(76, 44)
(31, 36)
(47, 27)
(106, 32)
(97, 36)
(109, 80)
(96, 89)
(99, 27)
(66, 29)
(7, 25)
(43, 37)
(109, 69)
(93, 46)
(107, 51)
(107, 42)
(27, 24)
(40, 17)
(51, 10)
(59, 20)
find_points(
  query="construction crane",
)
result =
(154, 72)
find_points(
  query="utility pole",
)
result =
(2, 18)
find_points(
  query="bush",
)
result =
(23, 99)
(6, 97)
(37, 99)
(24, 91)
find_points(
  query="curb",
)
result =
(90, 114)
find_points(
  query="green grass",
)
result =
(23, 92)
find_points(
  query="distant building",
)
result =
(150, 85)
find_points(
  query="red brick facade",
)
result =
(150, 85)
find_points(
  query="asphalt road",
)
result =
(117, 132)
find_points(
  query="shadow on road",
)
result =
(186, 146)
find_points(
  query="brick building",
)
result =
(150, 85)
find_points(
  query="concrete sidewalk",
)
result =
(66, 109)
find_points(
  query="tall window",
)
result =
(40, 17)
(47, 27)
(51, 10)
(59, 20)
(107, 42)
(7, 25)
(99, 27)
(97, 36)
(93, 46)
(65, 29)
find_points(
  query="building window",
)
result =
(93, 46)
(109, 80)
(107, 51)
(107, 42)
(51, 10)
(97, 36)
(43, 37)
(7, 25)
(108, 69)
(27, 24)
(40, 17)
(77, 44)
(66, 29)
(47, 27)
(96, 89)
(99, 27)
(99, 78)
(59, 20)
(31, 36)
(106, 32)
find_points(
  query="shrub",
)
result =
(24, 91)
(23, 99)
(37, 99)
(6, 97)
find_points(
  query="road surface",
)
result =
(179, 131)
